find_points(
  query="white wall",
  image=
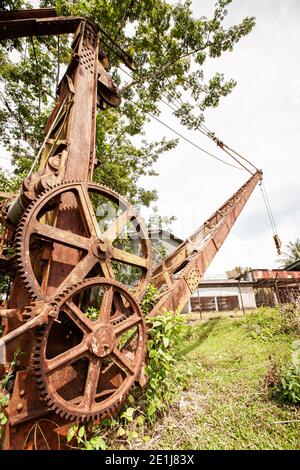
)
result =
(247, 293)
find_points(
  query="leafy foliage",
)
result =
(237, 272)
(150, 298)
(267, 324)
(4, 399)
(165, 333)
(79, 434)
(292, 253)
(4, 385)
(286, 388)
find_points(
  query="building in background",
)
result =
(256, 288)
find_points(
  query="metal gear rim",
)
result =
(24, 268)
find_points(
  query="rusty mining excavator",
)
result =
(80, 331)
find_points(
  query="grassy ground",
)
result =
(224, 403)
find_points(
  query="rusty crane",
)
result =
(81, 332)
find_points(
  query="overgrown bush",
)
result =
(165, 333)
(4, 386)
(288, 387)
(268, 323)
(150, 299)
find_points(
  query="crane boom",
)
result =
(179, 274)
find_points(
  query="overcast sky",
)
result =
(260, 119)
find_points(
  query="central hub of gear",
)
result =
(102, 341)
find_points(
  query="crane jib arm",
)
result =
(180, 273)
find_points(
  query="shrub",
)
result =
(165, 333)
(268, 323)
(150, 299)
(287, 386)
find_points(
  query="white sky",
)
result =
(260, 119)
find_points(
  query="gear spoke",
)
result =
(106, 304)
(89, 213)
(66, 357)
(61, 236)
(120, 310)
(106, 268)
(126, 324)
(117, 226)
(108, 391)
(80, 271)
(122, 362)
(128, 258)
(91, 384)
(76, 315)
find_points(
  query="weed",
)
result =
(287, 387)
(84, 442)
(165, 333)
(267, 324)
(150, 299)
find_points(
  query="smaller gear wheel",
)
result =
(87, 359)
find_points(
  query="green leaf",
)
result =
(98, 443)
(71, 433)
(81, 432)
(130, 411)
(150, 344)
(151, 409)
(131, 399)
(3, 419)
(121, 432)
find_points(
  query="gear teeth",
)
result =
(37, 361)
(27, 277)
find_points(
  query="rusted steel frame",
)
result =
(37, 321)
(182, 288)
(70, 137)
(193, 244)
(38, 26)
(81, 79)
(7, 312)
(28, 14)
(80, 133)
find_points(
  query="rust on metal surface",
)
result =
(86, 363)
(98, 250)
(181, 271)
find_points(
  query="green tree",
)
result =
(291, 254)
(170, 48)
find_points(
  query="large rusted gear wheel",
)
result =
(78, 230)
(87, 360)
